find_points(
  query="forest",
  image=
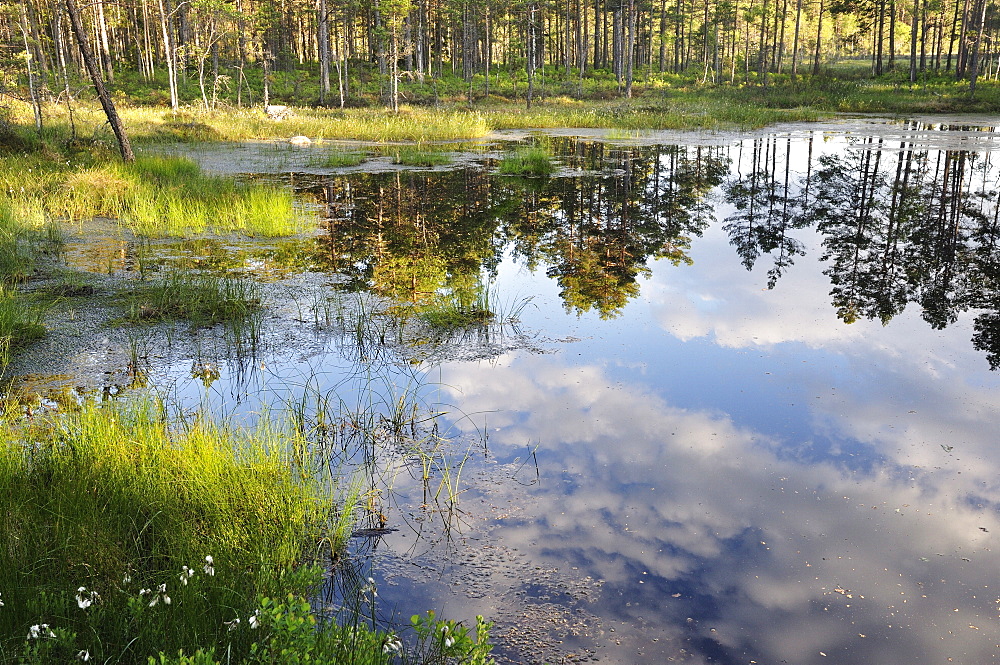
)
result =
(342, 53)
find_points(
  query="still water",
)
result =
(746, 414)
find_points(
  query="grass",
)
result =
(130, 535)
(419, 156)
(21, 244)
(20, 323)
(451, 311)
(203, 300)
(340, 159)
(117, 499)
(171, 196)
(527, 161)
(156, 196)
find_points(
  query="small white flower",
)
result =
(85, 599)
(186, 574)
(448, 641)
(254, 620)
(1, 602)
(83, 655)
(233, 625)
(392, 644)
(40, 630)
(127, 579)
(209, 566)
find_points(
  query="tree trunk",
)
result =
(323, 36)
(819, 35)
(95, 74)
(168, 49)
(978, 22)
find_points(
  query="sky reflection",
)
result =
(754, 479)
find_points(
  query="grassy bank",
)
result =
(662, 101)
(155, 196)
(118, 500)
(128, 535)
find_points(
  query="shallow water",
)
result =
(748, 414)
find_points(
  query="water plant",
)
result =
(418, 155)
(201, 299)
(341, 159)
(526, 161)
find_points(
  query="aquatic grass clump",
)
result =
(450, 312)
(419, 156)
(340, 159)
(527, 161)
(201, 299)
(136, 534)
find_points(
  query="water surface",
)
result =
(747, 413)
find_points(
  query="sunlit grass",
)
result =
(527, 161)
(120, 498)
(200, 299)
(155, 196)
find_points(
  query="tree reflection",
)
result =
(905, 225)
(898, 223)
(409, 236)
(765, 213)
(597, 233)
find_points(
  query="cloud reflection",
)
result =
(773, 558)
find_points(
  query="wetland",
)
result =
(674, 396)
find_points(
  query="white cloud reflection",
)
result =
(782, 558)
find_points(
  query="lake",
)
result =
(734, 400)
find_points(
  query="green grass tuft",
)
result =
(201, 299)
(526, 162)
(418, 156)
(339, 159)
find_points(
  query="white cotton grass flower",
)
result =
(186, 574)
(86, 598)
(209, 566)
(1, 601)
(40, 630)
(254, 620)
(234, 624)
(83, 655)
(158, 597)
(392, 644)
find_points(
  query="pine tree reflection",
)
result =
(409, 236)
